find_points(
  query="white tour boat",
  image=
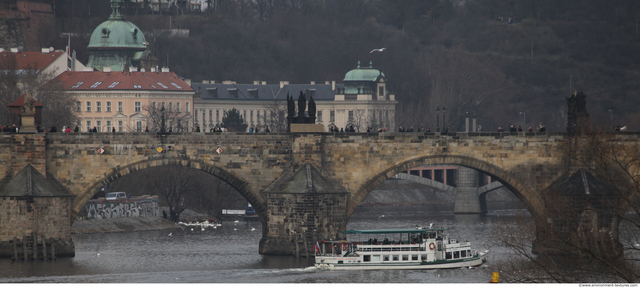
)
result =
(417, 248)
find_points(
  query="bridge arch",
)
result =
(241, 185)
(513, 183)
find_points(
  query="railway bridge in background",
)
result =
(338, 170)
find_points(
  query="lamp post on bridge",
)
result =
(611, 121)
(438, 119)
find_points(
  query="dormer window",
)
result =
(105, 33)
(162, 85)
(176, 85)
(233, 92)
(253, 93)
(77, 85)
(114, 84)
(96, 84)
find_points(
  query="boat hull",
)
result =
(444, 264)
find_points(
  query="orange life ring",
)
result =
(432, 246)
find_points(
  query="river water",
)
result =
(229, 254)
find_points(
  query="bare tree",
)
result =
(176, 185)
(276, 116)
(581, 231)
(175, 121)
(58, 106)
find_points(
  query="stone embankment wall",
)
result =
(143, 206)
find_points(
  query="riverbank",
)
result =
(114, 225)
(111, 225)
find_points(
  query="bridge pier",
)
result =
(303, 207)
(467, 198)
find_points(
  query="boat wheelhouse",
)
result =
(381, 249)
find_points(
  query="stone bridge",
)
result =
(252, 163)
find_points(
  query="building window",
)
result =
(332, 116)
(98, 106)
(108, 128)
(319, 116)
(170, 106)
(217, 116)
(258, 116)
(108, 106)
(186, 107)
(99, 126)
(195, 114)
(88, 106)
(351, 116)
(138, 126)
(178, 107)
(88, 126)
(78, 106)
(244, 115)
(138, 107)
(251, 114)
(380, 91)
(210, 115)
(119, 106)
(153, 105)
(120, 128)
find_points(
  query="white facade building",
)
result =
(362, 101)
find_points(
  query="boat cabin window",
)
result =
(405, 257)
(463, 253)
(469, 253)
(414, 257)
(448, 255)
(439, 246)
(376, 257)
(366, 258)
(395, 258)
(424, 257)
(385, 258)
(456, 254)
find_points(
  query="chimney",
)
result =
(188, 81)
(327, 82)
(281, 84)
(106, 69)
(333, 85)
(45, 51)
(205, 81)
(256, 82)
(213, 81)
(88, 69)
(142, 70)
(313, 82)
(264, 82)
(14, 50)
(153, 69)
(1, 50)
(133, 69)
(165, 70)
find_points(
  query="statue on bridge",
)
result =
(300, 118)
(302, 105)
(577, 116)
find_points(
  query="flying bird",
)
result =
(378, 50)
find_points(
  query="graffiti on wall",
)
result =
(98, 209)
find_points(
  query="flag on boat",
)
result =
(317, 247)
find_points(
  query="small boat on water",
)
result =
(416, 248)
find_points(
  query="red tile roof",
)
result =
(27, 60)
(118, 80)
(20, 101)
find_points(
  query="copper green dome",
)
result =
(115, 42)
(117, 34)
(367, 74)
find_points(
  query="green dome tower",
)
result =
(116, 43)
